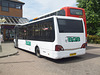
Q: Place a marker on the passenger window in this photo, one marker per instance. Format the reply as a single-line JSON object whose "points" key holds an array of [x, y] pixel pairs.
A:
{"points": [[61, 13]]}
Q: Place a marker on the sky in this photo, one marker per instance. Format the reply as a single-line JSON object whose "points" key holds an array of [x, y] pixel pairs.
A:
{"points": [[35, 8]]}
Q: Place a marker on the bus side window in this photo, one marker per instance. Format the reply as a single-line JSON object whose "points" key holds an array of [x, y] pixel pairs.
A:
{"points": [[52, 14], [20, 36], [42, 31], [47, 33], [61, 13], [37, 31], [25, 32]]}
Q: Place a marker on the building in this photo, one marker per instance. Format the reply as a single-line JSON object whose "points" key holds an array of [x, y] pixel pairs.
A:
{"points": [[11, 14]]}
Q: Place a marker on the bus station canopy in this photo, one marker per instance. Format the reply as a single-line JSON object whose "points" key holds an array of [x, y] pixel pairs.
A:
{"points": [[12, 20]]}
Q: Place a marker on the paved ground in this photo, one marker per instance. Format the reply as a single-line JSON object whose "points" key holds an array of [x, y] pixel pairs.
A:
{"points": [[7, 49], [25, 63]]}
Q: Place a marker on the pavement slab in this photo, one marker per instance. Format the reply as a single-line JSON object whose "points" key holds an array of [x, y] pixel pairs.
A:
{"points": [[26, 63], [7, 50]]}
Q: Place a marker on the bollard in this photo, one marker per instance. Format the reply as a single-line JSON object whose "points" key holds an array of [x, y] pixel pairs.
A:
{"points": [[0, 43], [0, 48]]}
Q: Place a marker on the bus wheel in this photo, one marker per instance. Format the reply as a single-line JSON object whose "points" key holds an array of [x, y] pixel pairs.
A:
{"points": [[37, 52]]}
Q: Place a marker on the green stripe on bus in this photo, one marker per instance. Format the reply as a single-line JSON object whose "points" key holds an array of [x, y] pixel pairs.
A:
{"points": [[28, 43], [73, 39]]}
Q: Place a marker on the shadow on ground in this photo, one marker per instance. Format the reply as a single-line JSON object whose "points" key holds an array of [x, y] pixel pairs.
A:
{"points": [[16, 62], [87, 56], [92, 47]]}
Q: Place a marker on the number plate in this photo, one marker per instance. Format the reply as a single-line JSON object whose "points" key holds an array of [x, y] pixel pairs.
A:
{"points": [[72, 54]]}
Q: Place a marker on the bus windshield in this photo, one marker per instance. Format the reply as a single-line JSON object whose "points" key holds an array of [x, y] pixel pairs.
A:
{"points": [[76, 12], [70, 26]]}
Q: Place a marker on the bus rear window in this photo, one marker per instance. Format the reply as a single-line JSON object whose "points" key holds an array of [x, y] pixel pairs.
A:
{"points": [[76, 12], [70, 26]]}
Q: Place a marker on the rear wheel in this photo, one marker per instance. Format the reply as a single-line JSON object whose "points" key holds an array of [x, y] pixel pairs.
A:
{"points": [[37, 52]]}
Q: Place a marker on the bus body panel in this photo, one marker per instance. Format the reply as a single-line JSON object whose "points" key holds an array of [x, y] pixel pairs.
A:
{"points": [[69, 47], [48, 48], [44, 47], [65, 54], [63, 40]]}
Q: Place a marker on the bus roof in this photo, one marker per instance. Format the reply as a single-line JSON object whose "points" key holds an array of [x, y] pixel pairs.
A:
{"points": [[73, 8], [65, 17], [55, 11]]}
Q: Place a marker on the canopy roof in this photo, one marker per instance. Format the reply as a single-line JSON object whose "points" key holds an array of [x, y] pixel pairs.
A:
{"points": [[14, 1], [12, 20], [17, 1]]}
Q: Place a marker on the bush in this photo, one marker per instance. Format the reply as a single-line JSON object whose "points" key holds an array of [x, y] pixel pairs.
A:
{"points": [[93, 39], [98, 31]]}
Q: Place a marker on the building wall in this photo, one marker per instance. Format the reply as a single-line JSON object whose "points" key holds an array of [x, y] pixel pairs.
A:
{"points": [[11, 8], [12, 12]]}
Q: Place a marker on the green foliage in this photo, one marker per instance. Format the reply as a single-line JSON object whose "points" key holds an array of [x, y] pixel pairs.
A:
{"points": [[92, 10], [98, 31], [93, 39]]}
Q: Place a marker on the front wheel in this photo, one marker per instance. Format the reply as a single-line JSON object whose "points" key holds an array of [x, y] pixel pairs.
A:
{"points": [[37, 52]]}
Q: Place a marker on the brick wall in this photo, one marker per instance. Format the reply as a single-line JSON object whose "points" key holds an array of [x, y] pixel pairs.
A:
{"points": [[12, 12]]}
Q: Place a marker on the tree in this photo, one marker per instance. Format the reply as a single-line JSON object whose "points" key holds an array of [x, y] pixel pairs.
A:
{"points": [[92, 11]]}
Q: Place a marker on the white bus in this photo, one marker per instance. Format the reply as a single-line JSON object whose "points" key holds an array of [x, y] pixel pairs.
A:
{"points": [[55, 37]]}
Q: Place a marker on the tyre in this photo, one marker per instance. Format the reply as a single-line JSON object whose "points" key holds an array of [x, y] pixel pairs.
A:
{"points": [[37, 52]]}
